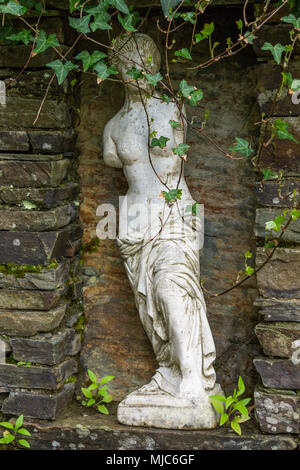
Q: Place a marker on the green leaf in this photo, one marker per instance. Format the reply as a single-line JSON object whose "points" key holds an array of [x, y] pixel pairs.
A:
{"points": [[248, 254], [24, 432], [107, 379], [295, 214], [107, 398], [89, 60], [217, 406], [249, 36], [220, 398], [13, 8], [153, 79], [205, 32], [24, 443], [167, 4], [102, 409], [175, 124], [224, 418], [241, 408], [185, 53], [292, 20], [276, 223], [19, 421], [241, 146], [86, 392], [267, 173], [73, 5], [101, 22], [236, 427], [229, 401], [43, 43], [281, 130], [172, 195], [165, 98], [7, 439], [181, 149], [91, 402], [195, 97], [241, 387], [7, 425], [276, 50], [120, 5], [81, 24], [135, 73], [295, 85], [186, 89], [62, 69], [249, 270], [24, 36], [104, 71], [126, 22], [92, 376], [161, 142]]}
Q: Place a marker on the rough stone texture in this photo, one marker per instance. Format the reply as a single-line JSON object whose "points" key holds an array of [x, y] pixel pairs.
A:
{"points": [[41, 198], [32, 173], [33, 84], [29, 323], [114, 340], [54, 114], [279, 309], [280, 276], [277, 412], [48, 378], [47, 279], [52, 142], [14, 141], [267, 193], [36, 247], [74, 431], [38, 404], [268, 80], [292, 234], [15, 57], [30, 299], [44, 350], [277, 338], [278, 373], [283, 154]]}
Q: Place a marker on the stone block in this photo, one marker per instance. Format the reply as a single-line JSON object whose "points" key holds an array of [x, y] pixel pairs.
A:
{"points": [[12, 299], [276, 411], [279, 310], [292, 234], [278, 373], [268, 193], [37, 221], [47, 349], [36, 248], [34, 83], [15, 57], [54, 114], [283, 154], [280, 276], [14, 141], [47, 279], [29, 323], [33, 173], [34, 377], [268, 80], [40, 198], [52, 142], [38, 404], [273, 35], [277, 338]]}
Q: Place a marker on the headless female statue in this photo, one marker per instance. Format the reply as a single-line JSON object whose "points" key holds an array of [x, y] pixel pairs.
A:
{"points": [[161, 259]]}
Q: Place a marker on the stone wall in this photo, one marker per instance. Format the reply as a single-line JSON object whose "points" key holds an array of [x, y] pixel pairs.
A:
{"points": [[40, 236]]}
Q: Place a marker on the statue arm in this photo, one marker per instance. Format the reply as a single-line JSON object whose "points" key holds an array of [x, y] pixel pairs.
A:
{"points": [[110, 150]]}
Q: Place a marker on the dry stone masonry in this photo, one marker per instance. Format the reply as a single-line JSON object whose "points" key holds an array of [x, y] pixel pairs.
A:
{"points": [[277, 397], [40, 234]]}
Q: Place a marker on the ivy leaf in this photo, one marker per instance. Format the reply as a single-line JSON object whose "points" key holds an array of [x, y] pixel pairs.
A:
{"points": [[104, 71], [24, 36], [205, 32], [172, 196], [181, 149], [292, 20], [43, 43], [73, 5], [120, 5], [281, 129], [89, 60], [276, 50], [167, 4], [175, 124], [249, 37], [102, 409], [81, 24], [126, 22], [186, 89], [165, 98], [268, 174], [161, 142], [295, 214], [195, 97], [135, 73], [236, 427], [185, 53], [13, 8], [61, 69], [241, 146], [276, 223], [101, 22], [153, 79]]}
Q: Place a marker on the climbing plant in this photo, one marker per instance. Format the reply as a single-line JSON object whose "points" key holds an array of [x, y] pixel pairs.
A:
{"points": [[86, 17]]}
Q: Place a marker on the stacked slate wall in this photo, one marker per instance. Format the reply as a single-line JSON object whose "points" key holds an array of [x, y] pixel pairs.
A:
{"points": [[40, 234]]}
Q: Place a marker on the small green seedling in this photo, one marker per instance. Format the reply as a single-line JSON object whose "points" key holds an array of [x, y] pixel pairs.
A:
{"points": [[233, 411], [12, 434], [97, 393]]}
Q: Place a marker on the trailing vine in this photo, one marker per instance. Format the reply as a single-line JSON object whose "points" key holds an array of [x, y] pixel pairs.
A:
{"points": [[86, 17]]}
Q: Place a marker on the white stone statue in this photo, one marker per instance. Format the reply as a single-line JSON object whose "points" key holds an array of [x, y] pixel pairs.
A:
{"points": [[162, 262]]}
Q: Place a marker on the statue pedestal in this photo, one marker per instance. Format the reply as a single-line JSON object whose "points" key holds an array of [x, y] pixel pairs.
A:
{"points": [[161, 410]]}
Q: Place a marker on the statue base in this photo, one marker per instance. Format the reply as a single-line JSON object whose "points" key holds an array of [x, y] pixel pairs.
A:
{"points": [[162, 410]]}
